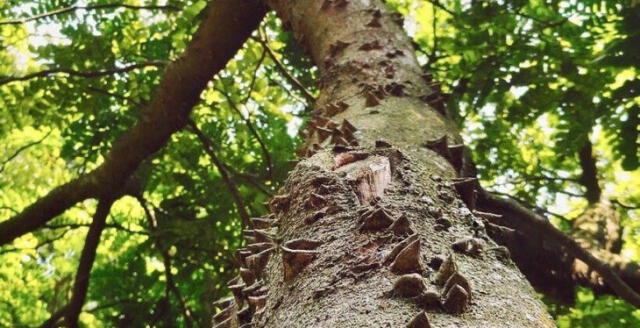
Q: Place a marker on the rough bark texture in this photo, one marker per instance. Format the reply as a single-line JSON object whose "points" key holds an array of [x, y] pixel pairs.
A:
{"points": [[375, 228]]}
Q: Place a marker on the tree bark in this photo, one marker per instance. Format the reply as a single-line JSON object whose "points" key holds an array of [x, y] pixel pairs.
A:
{"points": [[375, 228]]}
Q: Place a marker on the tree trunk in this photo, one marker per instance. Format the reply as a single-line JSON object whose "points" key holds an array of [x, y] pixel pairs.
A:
{"points": [[376, 228]]}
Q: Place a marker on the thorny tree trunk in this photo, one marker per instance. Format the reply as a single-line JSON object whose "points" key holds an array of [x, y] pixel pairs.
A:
{"points": [[375, 228]]}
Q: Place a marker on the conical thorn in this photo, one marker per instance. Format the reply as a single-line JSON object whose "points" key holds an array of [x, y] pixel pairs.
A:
{"points": [[402, 226], [419, 321], [409, 285], [446, 270], [294, 261], [456, 300], [408, 260], [377, 219]]}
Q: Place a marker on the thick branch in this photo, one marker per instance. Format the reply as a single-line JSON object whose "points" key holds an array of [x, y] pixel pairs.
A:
{"points": [[532, 222], [92, 7], [72, 310], [589, 177], [228, 24]]}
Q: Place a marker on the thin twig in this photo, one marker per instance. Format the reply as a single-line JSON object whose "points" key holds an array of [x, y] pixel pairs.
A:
{"points": [[8, 208], [115, 226], [291, 93], [254, 77], [626, 207], [233, 188], [437, 3], [92, 7], [252, 130], [21, 149], [541, 21], [135, 102], [40, 244], [283, 70], [87, 74], [250, 179], [171, 285]]}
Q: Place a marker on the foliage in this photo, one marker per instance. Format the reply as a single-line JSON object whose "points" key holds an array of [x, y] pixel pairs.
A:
{"points": [[532, 81]]}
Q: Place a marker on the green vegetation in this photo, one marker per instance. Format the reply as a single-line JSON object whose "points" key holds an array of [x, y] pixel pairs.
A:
{"points": [[532, 82]]}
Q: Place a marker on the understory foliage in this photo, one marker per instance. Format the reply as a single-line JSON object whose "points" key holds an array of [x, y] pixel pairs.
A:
{"points": [[532, 83]]}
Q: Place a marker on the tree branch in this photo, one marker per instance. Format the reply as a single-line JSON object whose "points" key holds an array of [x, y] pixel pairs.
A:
{"points": [[532, 207], [171, 285], [531, 221], [84, 225], [72, 310], [228, 24], [233, 188], [40, 244], [138, 103], [252, 130], [92, 7], [21, 149], [626, 207], [439, 5], [283, 70], [9, 208], [84, 74], [254, 77], [589, 176]]}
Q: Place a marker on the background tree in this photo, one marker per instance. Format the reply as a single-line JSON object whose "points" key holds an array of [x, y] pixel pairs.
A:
{"points": [[537, 87]]}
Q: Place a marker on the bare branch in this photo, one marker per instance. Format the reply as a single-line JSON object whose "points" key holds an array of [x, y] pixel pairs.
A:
{"points": [[589, 176], [92, 7], [136, 102], [72, 310], [233, 188], [626, 207], [534, 221], [254, 77], [84, 74], [535, 208], [265, 152], [283, 70], [21, 149], [228, 25], [171, 285], [440, 6], [115, 226]]}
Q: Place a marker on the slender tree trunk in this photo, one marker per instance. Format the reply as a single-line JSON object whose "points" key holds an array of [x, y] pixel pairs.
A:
{"points": [[375, 228]]}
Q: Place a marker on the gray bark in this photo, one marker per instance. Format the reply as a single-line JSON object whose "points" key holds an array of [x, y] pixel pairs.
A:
{"points": [[377, 227]]}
